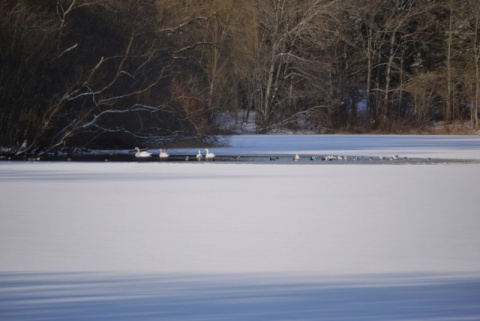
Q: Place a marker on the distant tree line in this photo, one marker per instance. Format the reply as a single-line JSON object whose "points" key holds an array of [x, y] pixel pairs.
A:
{"points": [[117, 73]]}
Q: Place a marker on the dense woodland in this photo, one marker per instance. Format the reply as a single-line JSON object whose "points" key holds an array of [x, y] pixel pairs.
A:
{"points": [[100, 73]]}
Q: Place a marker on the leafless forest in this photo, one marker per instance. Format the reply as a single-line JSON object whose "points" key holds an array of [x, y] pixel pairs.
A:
{"points": [[114, 73]]}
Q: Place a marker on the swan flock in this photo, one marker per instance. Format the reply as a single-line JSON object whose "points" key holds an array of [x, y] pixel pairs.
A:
{"points": [[163, 155]]}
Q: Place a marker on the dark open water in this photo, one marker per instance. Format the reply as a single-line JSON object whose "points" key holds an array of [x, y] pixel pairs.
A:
{"points": [[311, 159]]}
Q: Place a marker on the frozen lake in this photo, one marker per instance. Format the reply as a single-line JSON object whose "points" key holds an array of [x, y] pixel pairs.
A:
{"points": [[235, 241]]}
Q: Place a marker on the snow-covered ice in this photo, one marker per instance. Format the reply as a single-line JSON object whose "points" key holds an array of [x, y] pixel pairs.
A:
{"points": [[453, 147], [218, 218], [190, 219]]}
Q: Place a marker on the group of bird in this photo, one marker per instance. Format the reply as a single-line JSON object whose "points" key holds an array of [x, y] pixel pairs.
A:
{"points": [[211, 156], [164, 155], [296, 158]]}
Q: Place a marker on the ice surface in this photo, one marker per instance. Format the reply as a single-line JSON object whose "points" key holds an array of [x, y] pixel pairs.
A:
{"points": [[248, 219], [467, 147], [224, 218]]}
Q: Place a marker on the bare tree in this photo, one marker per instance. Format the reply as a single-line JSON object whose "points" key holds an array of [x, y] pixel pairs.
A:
{"points": [[77, 72], [84, 86], [103, 70], [392, 37], [285, 27], [472, 44]]}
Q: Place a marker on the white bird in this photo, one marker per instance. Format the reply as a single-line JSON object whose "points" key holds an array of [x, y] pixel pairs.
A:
{"points": [[296, 158], [199, 155], [209, 155], [142, 154], [163, 155]]}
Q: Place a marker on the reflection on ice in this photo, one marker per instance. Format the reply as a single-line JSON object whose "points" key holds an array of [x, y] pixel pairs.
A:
{"points": [[25, 296]]}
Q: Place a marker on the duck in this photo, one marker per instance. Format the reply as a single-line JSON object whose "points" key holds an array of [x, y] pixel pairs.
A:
{"points": [[199, 155], [209, 155], [142, 154], [163, 155]]}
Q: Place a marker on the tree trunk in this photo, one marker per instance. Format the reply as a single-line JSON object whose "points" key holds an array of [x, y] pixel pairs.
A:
{"points": [[448, 101], [476, 56], [386, 97]]}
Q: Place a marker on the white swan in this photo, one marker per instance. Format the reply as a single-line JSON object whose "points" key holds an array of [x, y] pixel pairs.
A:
{"points": [[199, 155], [142, 154], [209, 155], [296, 158], [163, 155]]}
